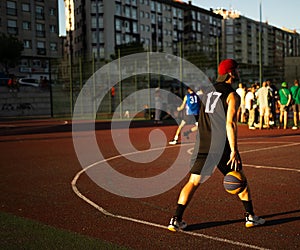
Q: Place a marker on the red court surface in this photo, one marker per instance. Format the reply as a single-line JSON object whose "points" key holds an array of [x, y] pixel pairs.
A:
{"points": [[42, 179]]}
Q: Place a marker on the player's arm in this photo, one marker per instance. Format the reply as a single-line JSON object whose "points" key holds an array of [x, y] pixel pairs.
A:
{"points": [[233, 101], [181, 107]]}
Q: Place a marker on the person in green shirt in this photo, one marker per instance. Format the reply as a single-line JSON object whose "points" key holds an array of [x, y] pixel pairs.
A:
{"points": [[295, 92], [284, 102]]}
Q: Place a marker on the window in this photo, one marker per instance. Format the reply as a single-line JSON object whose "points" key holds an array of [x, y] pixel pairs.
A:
{"points": [[152, 6], [52, 12], [39, 12], [52, 28], [158, 6], [134, 27], [134, 13], [118, 25], [40, 30], [41, 48], [118, 39], [153, 18], [12, 27], [127, 39], [174, 12], [97, 22], [97, 8], [11, 8], [26, 7], [127, 11], [127, 26], [26, 25], [118, 9], [27, 44], [53, 46]]}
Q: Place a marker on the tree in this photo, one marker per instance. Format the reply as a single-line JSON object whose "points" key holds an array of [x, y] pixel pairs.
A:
{"points": [[10, 51]]}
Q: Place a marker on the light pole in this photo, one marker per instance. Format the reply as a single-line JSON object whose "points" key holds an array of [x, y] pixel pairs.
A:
{"points": [[260, 45]]}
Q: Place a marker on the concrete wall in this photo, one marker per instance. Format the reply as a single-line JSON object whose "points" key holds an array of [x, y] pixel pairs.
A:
{"points": [[28, 101]]}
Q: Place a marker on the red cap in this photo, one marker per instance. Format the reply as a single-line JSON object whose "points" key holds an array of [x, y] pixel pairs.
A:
{"points": [[226, 66]]}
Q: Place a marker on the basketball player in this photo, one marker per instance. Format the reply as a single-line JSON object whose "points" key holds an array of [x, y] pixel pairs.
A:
{"points": [[217, 120], [191, 103]]}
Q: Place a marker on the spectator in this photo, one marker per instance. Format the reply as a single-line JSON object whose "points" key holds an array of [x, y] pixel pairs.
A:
{"points": [[158, 106], [273, 104], [296, 103], [284, 102], [241, 91], [250, 104], [262, 96]]}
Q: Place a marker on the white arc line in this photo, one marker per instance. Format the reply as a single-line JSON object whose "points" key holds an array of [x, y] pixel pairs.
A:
{"points": [[105, 212]]}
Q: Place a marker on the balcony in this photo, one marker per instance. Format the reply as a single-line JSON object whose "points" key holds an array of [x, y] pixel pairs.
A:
{"points": [[41, 51], [12, 30], [40, 33], [11, 11], [40, 15]]}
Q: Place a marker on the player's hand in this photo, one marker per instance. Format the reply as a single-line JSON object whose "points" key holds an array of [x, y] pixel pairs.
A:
{"points": [[234, 161]]}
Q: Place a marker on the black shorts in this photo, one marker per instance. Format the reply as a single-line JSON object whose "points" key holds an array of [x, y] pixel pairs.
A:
{"points": [[204, 163], [191, 119]]}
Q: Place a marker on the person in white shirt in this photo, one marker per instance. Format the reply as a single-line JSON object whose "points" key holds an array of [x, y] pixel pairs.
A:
{"points": [[241, 91], [250, 104], [262, 96]]}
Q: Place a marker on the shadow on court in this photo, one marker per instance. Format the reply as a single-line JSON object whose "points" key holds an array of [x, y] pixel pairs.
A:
{"points": [[194, 227]]}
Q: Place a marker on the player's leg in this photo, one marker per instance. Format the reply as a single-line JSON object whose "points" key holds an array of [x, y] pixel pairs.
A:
{"points": [[186, 194], [175, 139], [245, 196]]}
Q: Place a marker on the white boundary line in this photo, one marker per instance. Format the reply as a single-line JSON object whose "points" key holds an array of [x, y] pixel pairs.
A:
{"points": [[105, 212]]}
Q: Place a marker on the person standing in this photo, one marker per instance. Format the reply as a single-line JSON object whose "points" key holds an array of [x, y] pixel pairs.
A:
{"points": [[262, 96], [158, 106], [212, 123], [295, 92], [191, 103], [241, 90], [284, 102], [250, 104]]}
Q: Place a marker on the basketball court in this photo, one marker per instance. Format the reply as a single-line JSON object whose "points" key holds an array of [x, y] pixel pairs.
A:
{"points": [[55, 189]]}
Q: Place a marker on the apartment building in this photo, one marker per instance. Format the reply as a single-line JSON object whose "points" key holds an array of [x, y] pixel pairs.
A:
{"points": [[253, 43], [161, 25], [201, 36], [35, 23]]}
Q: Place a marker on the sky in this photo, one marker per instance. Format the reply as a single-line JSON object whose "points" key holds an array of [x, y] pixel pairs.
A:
{"points": [[62, 20], [278, 13]]}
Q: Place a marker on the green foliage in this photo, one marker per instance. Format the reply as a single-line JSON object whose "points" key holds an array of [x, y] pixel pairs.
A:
{"points": [[10, 50], [21, 233]]}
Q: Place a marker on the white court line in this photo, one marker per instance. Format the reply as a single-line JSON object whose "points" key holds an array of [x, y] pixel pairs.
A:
{"points": [[105, 212], [268, 148], [272, 168]]}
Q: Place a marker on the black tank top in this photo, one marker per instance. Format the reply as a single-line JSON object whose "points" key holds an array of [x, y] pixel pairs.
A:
{"points": [[212, 118]]}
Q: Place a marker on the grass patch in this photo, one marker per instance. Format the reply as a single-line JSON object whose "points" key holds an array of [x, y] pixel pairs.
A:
{"points": [[20, 233]]}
